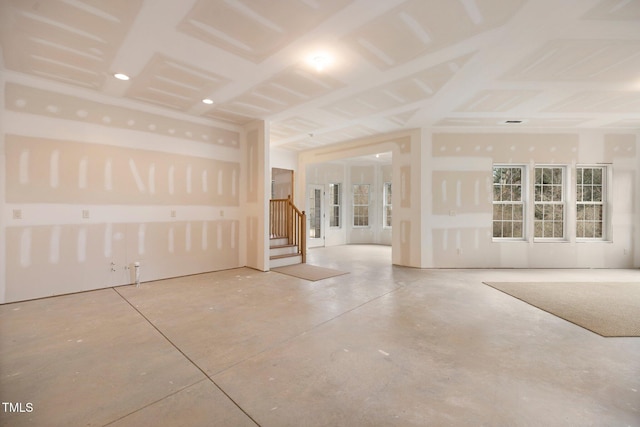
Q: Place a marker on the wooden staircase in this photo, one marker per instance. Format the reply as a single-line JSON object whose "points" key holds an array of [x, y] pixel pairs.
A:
{"points": [[287, 232]]}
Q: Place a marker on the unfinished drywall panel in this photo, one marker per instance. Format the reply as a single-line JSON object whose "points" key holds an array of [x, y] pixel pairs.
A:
{"points": [[508, 147], [281, 183], [21, 98], [257, 189], [618, 146], [43, 170], [460, 214], [283, 159], [406, 160], [460, 192], [93, 187], [59, 259]]}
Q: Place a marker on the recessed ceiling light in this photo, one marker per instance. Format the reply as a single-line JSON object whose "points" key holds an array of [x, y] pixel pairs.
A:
{"points": [[207, 101], [121, 76]]}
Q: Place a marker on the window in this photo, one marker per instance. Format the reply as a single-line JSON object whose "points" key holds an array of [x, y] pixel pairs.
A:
{"points": [[590, 202], [549, 215], [386, 208], [334, 207], [508, 203], [361, 205]]}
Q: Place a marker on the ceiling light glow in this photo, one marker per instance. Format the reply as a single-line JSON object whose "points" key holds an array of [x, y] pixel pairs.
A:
{"points": [[319, 61], [121, 76], [207, 101]]}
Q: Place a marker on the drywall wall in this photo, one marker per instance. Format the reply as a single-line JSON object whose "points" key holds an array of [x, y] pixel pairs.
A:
{"points": [[257, 184], [91, 187], [442, 199], [459, 221], [281, 183], [406, 174]]}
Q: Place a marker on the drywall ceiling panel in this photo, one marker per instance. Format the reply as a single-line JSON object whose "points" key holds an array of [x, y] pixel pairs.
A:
{"points": [[291, 127], [598, 102], [581, 60], [291, 87], [418, 27], [615, 10], [255, 29], [497, 100], [401, 119], [172, 83], [407, 90], [526, 123], [345, 134], [68, 41]]}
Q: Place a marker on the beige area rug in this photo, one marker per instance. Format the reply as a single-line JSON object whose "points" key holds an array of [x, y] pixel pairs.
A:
{"points": [[309, 272], [610, 309]]}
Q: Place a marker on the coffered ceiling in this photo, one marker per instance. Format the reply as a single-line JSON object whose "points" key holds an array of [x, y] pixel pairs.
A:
{"points": [[388, 64]]}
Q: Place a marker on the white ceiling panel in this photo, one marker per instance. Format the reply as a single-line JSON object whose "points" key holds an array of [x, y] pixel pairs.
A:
{"points": [[617, 10], [407, 90], [72, 42], [417, 27], [497, 100], [255, 29], [175, 84], [513, 123], [291, 87], [391, 64], [293, 126], [581, 60], [598, 102]]}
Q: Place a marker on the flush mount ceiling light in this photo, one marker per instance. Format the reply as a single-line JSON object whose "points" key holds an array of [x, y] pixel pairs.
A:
{"points": [[319, 61], [207, 101], [121, 76]]}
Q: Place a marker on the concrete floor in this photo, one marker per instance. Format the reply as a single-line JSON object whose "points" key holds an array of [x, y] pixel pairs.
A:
{"points": [[381, 346]]}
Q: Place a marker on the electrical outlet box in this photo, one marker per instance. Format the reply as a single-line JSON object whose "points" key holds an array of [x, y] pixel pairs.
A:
{"points": [[85, 214], [17, 214]]}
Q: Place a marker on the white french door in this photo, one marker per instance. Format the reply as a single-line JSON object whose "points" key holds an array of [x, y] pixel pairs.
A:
{"points": [[315, 215]]}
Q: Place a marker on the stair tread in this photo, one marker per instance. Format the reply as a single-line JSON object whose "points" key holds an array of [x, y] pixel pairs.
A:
{"points": [[282, 246], [284, 256]]}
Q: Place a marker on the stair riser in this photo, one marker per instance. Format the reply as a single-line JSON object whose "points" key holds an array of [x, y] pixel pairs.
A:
{"points": [[283, 251], [281, 262], [279, 241]]}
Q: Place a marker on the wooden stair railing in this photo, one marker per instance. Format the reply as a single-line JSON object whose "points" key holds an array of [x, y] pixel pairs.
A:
{"points": [[287, 221]]}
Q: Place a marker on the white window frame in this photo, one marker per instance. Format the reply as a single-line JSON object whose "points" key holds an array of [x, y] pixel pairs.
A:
{"points": [[367, 205], [547, 204], [604, 202], [522, 202]]}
